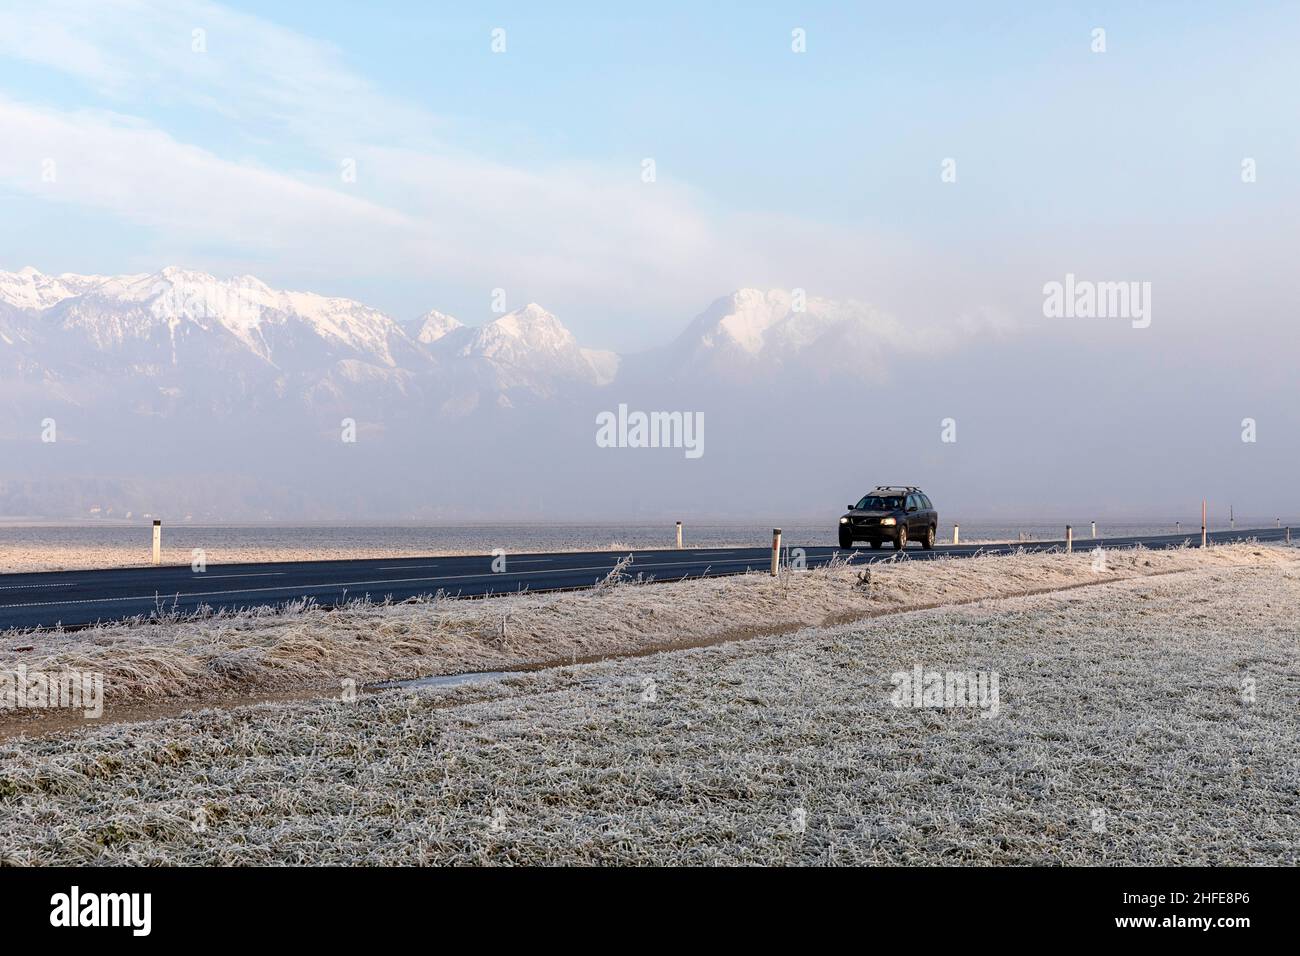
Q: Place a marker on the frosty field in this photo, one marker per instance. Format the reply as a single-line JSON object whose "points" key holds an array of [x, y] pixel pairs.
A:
{"points": [[1147, 715], [301, 648]]}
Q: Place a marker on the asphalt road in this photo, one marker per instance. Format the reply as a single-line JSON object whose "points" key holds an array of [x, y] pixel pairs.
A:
{"points": [[80, 598]]}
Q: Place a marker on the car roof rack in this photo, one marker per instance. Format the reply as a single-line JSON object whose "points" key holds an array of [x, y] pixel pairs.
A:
{"points": [[903, 488]]}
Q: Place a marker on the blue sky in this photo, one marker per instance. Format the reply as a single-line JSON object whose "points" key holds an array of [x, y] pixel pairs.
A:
{"points": [[521, 170]]}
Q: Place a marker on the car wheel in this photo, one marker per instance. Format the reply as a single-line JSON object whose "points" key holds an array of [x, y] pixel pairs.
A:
{"points": [[900, 542], [928, 541], [846, 540]]}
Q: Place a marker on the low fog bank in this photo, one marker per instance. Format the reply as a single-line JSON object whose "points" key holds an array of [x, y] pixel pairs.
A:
{"points": [[1115, 437]]}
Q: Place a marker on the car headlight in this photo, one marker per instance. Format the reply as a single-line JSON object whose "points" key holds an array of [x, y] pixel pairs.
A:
{"points": [[888, 521], [844, 521]]}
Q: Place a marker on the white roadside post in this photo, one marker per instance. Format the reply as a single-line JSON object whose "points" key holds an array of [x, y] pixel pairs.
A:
{"points": [[956, 534], [1178, 527], [157, 542], [1202, 522], [776, 549], [679, 534], [1069, 539], [1232, 519], [1094, 529]]}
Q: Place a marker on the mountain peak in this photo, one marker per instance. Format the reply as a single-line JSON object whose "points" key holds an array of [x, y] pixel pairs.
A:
{"points": [[751, 330], [433, 325], [29, 288], [534, 311], [530, 316], [530, 347], [743, 318], [177, 274], [532, 326]]}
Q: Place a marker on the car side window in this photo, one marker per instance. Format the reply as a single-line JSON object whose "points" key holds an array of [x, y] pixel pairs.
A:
{"points": [[911, 502], [925, 503]]}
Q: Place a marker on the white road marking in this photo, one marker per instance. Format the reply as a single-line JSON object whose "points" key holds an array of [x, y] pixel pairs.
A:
{"points": [[264, 574]]}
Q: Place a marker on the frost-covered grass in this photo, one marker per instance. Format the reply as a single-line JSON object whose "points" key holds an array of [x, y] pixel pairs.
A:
{"points": [[1125, 736], [299, 646]]}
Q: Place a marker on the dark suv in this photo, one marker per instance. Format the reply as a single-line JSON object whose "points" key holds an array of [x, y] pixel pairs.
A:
{"points": [[894, 513]]}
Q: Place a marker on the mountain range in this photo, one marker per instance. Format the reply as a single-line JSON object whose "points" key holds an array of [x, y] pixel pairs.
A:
{"points": [[180, 392], [179, 341]]}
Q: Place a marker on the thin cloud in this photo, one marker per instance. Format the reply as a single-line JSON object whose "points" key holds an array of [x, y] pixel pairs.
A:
{"points": [[587, 237]]}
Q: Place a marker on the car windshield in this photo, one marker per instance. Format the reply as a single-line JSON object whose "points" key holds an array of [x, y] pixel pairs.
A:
{"points": [[880, 503]]}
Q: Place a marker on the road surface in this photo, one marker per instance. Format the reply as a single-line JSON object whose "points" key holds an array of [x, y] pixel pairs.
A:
{"points": [[80, 598]]}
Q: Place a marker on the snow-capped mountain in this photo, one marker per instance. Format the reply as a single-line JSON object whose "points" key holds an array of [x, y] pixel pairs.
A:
{"points": [[178, 392], [432, 326], [527, 348], [30, 289], [179, 338], [751, 333], [527, 352], [119, 313], [749, 337], [179, 342]]}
